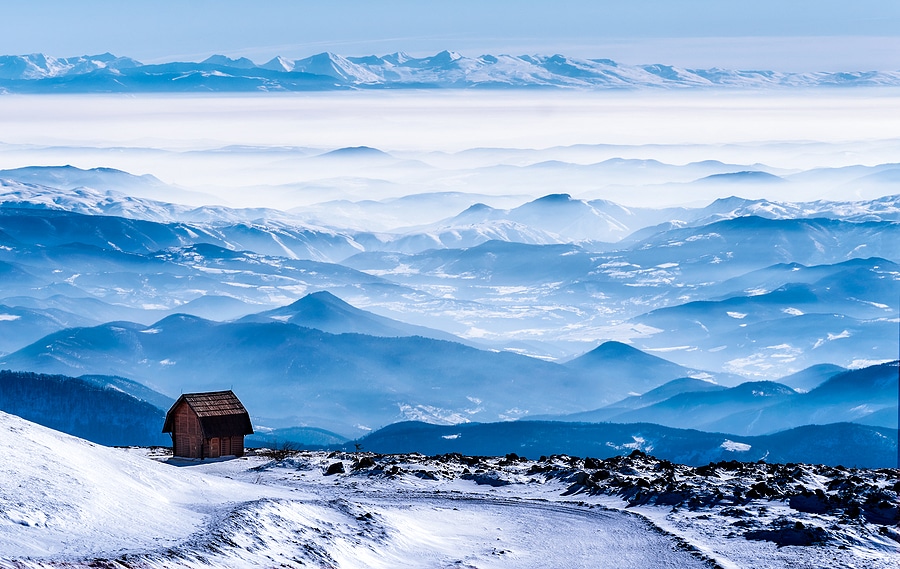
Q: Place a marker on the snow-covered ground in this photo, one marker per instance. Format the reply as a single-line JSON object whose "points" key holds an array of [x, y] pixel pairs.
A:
{"points": [[68, 503]]}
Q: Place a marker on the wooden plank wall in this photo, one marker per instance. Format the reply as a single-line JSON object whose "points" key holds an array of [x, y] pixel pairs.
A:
{"points": [[188, 440]]}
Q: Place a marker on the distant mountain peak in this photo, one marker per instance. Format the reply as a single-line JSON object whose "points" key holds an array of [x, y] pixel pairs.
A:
{"points": [[322, 297], [279, 64], [477, 207], [240, 63], [356, 151], [554, 198], [753, 176], [446, 56], [613, 350], [181, 319]]}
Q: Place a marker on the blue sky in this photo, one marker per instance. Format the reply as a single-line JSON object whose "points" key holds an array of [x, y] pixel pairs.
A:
{"points": [[779, 34]]}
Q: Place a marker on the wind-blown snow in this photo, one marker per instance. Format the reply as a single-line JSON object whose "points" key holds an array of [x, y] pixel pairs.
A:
{"points": [[63, 495]]}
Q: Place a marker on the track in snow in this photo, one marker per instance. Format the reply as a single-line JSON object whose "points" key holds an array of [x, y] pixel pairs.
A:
{"points": [[420, 530]]}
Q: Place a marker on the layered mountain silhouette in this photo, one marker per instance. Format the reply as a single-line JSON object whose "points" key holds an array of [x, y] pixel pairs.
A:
{"points": [[339, 366], [866, 396], [661, 393], [334, 381], [90, 269], [836, 444], [368, 370], [638, 369]]}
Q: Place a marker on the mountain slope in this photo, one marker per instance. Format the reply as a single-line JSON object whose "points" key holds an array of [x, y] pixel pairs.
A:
{"points": [[811, 377], [340, 382], [841, 443], [659, 394], [66, 501], [20, 326], [630, 367], [868, 396], [86, 408], [700, 410], [324, 311]]}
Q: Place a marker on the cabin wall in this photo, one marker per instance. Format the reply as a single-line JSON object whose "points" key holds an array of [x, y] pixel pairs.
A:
{"points": [[237, 445], [216, 447], [187, 437]]}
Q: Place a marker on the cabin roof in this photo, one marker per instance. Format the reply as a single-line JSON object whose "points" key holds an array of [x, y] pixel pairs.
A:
{"points": [[221, 414]]}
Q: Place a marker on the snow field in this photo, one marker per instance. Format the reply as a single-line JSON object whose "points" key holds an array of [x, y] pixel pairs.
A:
{"points": [[60, 495], [68, 503]]}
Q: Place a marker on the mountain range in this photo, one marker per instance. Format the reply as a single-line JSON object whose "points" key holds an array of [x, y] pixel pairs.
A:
{"points": [[368, 371], [38, 73], [835, 444], [348, 329], [711, 287], [867, 395], [764, 420], [344, 382]]}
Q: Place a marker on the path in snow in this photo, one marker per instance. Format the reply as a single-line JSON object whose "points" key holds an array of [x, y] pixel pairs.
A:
{"points": [[424, 531]]}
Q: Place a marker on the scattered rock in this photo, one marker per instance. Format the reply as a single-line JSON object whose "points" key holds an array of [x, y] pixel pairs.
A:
{"points": [[487, 478], [790, 534], [364, 462]]}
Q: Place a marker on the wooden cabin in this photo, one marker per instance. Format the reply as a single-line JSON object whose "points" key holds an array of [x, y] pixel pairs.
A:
{"points": [[208, 425]]}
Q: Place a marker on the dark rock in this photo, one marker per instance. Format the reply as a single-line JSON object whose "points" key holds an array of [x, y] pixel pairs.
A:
{"points": [[489, 479], [601, 474], [883, 513], [364, 462], [810, 503], [581, 477], [592, 463], [335, 468], [672, 498], [790, 534]]}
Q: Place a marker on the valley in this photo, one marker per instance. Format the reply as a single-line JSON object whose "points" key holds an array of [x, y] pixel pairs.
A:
{"points": [[337, 318]]}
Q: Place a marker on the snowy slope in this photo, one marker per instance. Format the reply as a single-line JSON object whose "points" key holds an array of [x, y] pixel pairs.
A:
{"points": [[68, 503], [39, 66], [63, 495]]}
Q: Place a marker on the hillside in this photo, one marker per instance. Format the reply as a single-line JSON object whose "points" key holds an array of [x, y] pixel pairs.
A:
{"points": [[334, 381], [840, 443], [80, 407]]}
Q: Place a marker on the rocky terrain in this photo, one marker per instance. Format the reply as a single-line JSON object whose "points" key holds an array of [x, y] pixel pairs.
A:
{"points": [[722, 510]]}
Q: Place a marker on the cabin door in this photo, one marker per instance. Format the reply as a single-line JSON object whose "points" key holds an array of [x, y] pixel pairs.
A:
{"points": [[214, 451], [193, 447]]}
